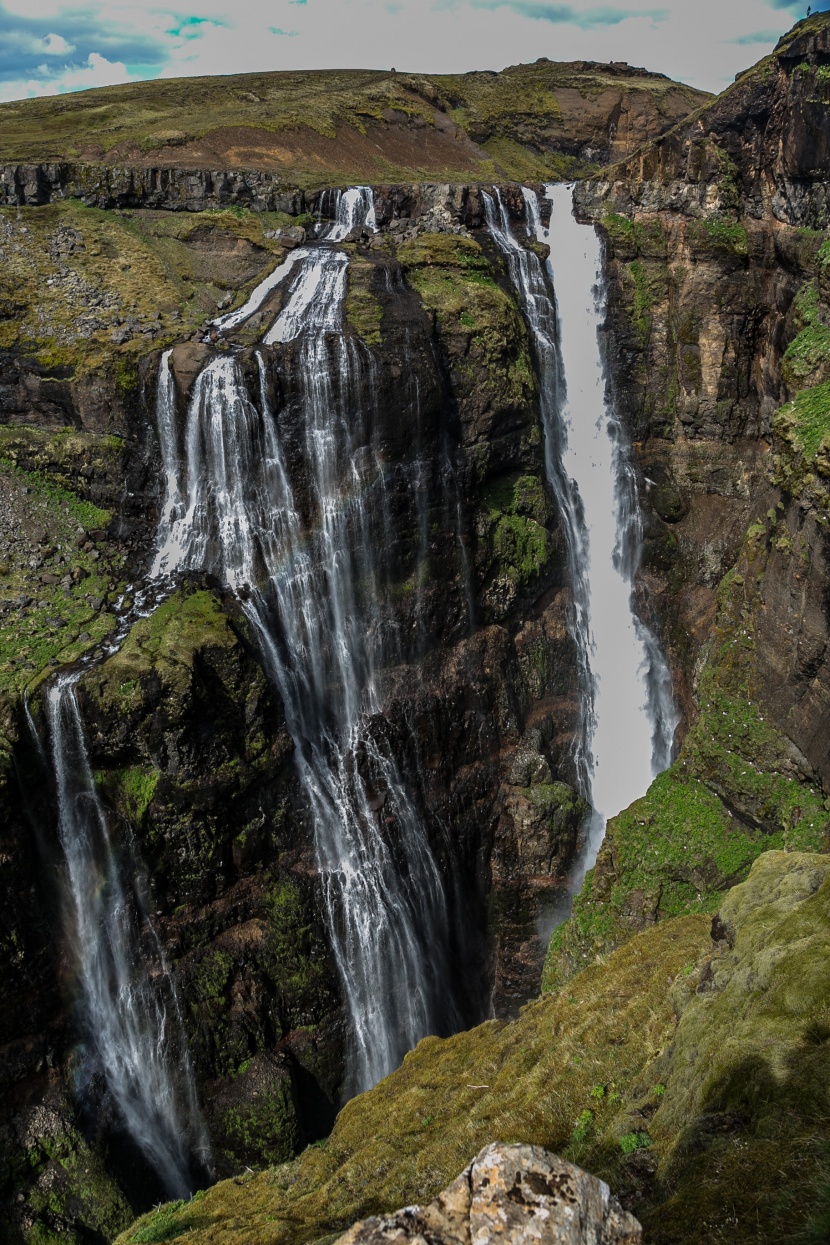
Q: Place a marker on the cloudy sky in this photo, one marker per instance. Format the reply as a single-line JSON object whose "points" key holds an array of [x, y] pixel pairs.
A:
{"points": [[50, 46]]}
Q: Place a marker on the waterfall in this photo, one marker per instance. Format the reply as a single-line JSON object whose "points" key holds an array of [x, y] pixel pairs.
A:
{"points": [[122, 975], [629, 717], [312, 592]]}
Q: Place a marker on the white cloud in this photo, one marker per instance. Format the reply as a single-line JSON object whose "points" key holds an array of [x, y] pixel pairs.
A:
{"points": [[96, 71], [56, 45], [704, 42]]}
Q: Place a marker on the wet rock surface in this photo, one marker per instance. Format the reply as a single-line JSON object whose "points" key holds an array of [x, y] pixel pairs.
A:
{"points": [[515, 1194]]}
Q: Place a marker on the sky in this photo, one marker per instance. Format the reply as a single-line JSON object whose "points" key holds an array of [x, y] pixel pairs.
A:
{"points": [[50, 47]]}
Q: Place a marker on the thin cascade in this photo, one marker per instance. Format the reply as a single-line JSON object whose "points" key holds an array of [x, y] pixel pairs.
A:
{"points": [[528, 278], [128, 1003], [312, 594], [629, 716]]}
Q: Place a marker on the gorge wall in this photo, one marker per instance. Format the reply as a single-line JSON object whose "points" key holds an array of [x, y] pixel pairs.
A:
{"points": [[187, 741]]}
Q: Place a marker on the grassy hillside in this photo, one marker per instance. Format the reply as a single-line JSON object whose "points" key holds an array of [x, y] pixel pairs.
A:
{"points": [[529, 121], [689, 1073]]}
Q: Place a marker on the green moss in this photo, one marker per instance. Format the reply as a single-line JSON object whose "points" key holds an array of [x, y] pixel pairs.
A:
{"points": [[165, 1224], [631, 238], [59, 452], [802, 444], [267, 1128], [62, 1187], [643, 299], [718, 236], [809, 352], [516, 543], [364, 313], [130, 789]]}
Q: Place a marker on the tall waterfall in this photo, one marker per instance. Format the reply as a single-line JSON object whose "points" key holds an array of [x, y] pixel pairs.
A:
{"points": [[311, 591], [134, 1032], [628, 714]]}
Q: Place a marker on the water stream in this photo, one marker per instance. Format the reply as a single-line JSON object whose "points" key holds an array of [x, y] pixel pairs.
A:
{"points": [[628, 716], [312, 590], [129, 1013]]}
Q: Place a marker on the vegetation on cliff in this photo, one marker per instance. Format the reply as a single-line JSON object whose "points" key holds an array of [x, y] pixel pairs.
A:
{"points": [[737, 789]]}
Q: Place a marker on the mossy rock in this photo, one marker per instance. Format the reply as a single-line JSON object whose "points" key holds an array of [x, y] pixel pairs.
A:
{"points": [[525, 1081], [515, 547], [477, 321]]}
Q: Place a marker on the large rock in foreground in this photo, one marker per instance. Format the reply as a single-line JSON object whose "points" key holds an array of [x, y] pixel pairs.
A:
{"points": [[511, 1194]]}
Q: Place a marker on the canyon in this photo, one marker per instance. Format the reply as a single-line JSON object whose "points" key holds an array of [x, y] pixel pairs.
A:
{"points": [[333, 714]]}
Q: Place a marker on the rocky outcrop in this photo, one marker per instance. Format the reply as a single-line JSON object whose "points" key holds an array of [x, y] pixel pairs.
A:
{"points": [[515, 1194], [760, 149]]}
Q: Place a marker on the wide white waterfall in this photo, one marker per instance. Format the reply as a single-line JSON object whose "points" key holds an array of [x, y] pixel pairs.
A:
{"points": [[311, 588], [628, 712], [128, 1006]]}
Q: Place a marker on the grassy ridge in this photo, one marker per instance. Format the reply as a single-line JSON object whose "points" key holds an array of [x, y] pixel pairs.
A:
{"points": [[515, 121]]}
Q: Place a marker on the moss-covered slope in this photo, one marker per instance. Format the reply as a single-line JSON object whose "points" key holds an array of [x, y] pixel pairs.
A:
{"points": [[689, 1070]]}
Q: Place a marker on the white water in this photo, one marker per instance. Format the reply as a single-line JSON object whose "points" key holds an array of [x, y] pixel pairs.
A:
{"points": [[629, 717], [134, 1034], [312, 593], [354, 207]]}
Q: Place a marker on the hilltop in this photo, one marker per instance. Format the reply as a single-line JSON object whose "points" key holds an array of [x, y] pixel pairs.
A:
{"points": [[545, 120]]}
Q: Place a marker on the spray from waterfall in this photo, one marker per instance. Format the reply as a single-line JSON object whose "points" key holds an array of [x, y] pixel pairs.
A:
{"points": [[628, 716], [311, 589], [128, 1005]]}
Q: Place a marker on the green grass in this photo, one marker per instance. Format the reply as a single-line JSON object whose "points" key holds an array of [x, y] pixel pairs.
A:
{"points": [[719, 236], [715, 1059], [802, 444], [60, 621]]}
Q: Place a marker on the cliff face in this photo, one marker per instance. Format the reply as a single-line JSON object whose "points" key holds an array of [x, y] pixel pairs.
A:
{"points": [[186, 738], [717, 348]]}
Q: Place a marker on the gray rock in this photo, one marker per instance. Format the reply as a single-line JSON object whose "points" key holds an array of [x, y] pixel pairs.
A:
{"points": [[516, 1195]]}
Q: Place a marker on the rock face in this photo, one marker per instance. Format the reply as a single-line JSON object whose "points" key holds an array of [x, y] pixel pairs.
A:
{"points": [[514, 1194], [760, 148]]}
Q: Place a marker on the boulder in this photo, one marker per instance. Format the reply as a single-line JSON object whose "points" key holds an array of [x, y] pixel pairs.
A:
{"points": [[515, 1194]]}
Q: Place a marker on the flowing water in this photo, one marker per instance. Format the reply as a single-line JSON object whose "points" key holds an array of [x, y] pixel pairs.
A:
{"points": [[312, 588], [129, 1013], [628, 715]]}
